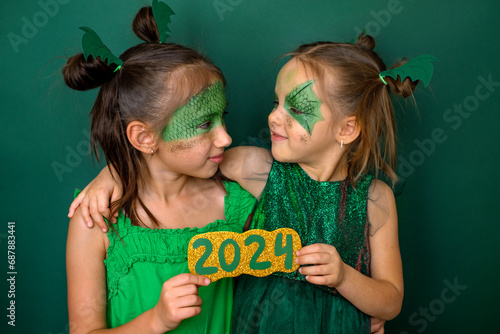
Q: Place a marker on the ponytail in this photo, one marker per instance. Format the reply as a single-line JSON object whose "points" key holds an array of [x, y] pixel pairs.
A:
{"points": [[360, 91]]}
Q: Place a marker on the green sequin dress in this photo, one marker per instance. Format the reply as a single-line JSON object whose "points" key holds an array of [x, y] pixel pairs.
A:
{"points": [[321, 212], [143, 259]]}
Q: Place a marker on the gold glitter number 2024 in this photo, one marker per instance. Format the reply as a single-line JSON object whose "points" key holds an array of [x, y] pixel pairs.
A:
{"points": [[255, 252]]}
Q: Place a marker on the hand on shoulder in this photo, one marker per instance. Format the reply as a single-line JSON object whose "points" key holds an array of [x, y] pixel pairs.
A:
{"points": [[79, 235]]}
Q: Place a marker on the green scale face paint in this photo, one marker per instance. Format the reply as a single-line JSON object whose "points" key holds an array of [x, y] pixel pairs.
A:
{"points": [[303, 105], [201, 114]]}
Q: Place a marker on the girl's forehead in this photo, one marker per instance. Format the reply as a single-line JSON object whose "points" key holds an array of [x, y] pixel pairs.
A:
{"points": [[293, 74]]}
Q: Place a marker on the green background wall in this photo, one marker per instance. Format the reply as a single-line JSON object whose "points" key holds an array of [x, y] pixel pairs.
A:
{"points": [[449, 149]]}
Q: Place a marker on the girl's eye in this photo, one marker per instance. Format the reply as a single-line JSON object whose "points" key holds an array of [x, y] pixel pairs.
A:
{"points": [[296, 111], [205, 125], [275, 104]]}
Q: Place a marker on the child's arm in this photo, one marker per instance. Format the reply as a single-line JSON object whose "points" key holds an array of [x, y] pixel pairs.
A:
{"points": [[95, 199], [249, 166], [381, 295], [86, 274]]}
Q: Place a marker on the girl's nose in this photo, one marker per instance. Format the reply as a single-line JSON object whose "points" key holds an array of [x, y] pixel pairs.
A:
{"points": [[275, 117], [222, 138]]}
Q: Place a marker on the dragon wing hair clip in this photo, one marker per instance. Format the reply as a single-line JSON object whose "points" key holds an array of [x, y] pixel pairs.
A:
{"points": [[92, 44], [419, 68]]}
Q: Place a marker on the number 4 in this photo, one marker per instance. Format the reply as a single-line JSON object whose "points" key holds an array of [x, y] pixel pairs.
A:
{"points": [[287, 249]]}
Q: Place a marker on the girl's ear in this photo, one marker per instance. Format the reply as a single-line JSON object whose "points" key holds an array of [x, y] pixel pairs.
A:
{"points": [[141, 137], [349, 131]]}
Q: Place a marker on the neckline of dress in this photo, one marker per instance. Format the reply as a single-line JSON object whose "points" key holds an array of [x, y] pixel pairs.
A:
{"points": [[187, 229], [302, 171]]}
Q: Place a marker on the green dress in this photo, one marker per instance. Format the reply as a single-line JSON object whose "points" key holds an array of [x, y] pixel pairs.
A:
{"points": [[139, 260], [321, 212]]}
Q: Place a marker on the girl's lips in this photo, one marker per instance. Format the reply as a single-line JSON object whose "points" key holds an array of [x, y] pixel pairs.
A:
{"points": [[217, 159], [276, 137]]}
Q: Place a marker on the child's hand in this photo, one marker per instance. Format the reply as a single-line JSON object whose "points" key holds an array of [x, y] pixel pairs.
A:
{"points": [[95, 198], [179, 300], [327, 268]]}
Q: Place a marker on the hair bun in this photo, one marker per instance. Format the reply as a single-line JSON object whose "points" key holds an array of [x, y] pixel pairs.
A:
{"points": [[145, 27], [83, 75], [365, 42]]}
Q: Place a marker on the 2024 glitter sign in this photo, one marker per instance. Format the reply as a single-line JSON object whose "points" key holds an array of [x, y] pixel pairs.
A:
{"points": [[255, 252]]}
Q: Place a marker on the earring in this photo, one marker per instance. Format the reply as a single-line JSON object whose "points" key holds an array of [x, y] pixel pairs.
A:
{"points": [[152, 151], [341, 143]]}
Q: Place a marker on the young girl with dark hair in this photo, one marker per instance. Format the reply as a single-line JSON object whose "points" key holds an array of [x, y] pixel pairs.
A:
{"points": [[159, 121], [333, 131]]}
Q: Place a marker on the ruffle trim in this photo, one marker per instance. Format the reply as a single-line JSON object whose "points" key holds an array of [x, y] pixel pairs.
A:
{"points": [[115, 273], [238, 202], [130, 244]]}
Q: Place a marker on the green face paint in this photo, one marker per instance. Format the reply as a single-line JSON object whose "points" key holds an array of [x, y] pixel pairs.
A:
{"points": [[303, 105], [201, 114]]}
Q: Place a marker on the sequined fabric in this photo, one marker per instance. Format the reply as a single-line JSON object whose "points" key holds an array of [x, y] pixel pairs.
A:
{"points": [[292, 199], [320, 212]]}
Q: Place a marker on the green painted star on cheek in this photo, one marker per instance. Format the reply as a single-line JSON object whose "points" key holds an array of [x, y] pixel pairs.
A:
{"points": [[202, 113], [303, 105]]}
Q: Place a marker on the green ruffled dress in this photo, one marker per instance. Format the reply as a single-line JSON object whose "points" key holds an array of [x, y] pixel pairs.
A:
{"points": [[321, 212], [139, 260]]}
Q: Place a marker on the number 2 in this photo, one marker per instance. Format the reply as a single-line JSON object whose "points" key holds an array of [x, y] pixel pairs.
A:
{"points": [[200, 269], [254, 265]]}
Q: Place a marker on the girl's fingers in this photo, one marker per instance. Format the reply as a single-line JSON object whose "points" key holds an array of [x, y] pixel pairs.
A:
{"points": [[101, 223], [184, 279], [96, 215], [314, 248], [103, 206], [185, 290], [75, 204], [188, 312], [116, 194], [319, 270], [318, 280], [189, 301], [314, 258], [84, 211]]}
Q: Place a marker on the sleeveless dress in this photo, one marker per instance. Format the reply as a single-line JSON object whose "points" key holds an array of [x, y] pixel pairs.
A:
{"points": [[139, 260], [321, 212]]}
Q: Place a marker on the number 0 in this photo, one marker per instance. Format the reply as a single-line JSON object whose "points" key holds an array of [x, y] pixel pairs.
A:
{"points": [[222, 258]]}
